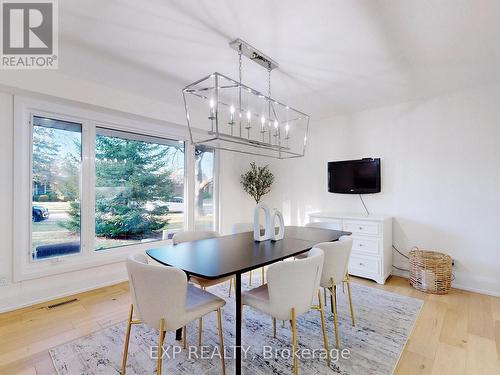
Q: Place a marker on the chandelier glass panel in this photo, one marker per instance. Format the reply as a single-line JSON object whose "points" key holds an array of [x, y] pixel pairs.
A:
{"points": [[224, 113]]}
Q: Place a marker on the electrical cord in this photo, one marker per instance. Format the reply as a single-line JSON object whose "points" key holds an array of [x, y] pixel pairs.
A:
{"points": [[400, 253], [401, 269], [403, 255], [364, 205]]}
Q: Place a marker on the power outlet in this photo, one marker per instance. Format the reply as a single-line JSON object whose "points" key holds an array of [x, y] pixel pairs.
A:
{"points": [[4, 281]]}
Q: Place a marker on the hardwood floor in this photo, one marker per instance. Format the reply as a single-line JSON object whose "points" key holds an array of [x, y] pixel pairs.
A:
{"points": [[455, 334]]}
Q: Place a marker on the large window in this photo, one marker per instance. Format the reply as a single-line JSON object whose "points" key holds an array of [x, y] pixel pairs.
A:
{"points": [[55, 207], [139, 194], [92, 187]]}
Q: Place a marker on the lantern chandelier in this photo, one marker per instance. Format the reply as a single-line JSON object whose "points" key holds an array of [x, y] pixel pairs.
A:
{"points": [[224, 113]]}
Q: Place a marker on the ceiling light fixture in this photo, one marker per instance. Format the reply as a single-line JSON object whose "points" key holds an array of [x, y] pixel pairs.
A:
{"points": [[212, 102]]}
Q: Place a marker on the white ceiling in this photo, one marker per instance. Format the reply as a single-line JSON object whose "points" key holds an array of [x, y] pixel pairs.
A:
{"points": [[335, 56]]}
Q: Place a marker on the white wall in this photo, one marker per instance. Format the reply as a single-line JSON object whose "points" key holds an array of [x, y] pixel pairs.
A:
{"points": [[440, 177], [235, 206]]}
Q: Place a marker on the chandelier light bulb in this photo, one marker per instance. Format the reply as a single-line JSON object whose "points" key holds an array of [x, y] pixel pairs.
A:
{"points": [[212, 109], [231, 111], [287, 129], [276, 124], [248, 125]]}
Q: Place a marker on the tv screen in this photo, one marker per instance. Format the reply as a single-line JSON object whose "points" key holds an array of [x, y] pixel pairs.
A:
{"points": [[354, 176]]}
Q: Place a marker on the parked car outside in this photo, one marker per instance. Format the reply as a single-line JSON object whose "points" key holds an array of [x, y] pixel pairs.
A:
{"points": [[39, 213]]}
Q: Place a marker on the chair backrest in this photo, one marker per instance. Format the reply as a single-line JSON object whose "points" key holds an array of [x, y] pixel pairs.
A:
{"points": [[323, 225], [336, 260], [294, 284], [242, 228], [157, 291], [192, 235]]}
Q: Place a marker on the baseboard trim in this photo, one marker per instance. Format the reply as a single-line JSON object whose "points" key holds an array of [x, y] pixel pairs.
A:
{"points": [[493, 293], [62, 295], [461, 286]]}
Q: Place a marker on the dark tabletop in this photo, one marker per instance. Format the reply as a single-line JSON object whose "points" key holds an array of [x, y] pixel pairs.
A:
{"points": [[226, 255]]}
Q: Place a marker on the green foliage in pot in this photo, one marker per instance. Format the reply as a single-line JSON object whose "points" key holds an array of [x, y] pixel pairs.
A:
{"points": [[257, 181]]}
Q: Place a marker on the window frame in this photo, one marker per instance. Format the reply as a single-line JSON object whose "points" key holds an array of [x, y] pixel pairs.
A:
{"points": [[24, 268]]}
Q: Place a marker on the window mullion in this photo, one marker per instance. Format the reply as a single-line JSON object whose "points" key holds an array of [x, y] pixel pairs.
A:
{"points": [[216, 195], [88, 189], [190, 185]]}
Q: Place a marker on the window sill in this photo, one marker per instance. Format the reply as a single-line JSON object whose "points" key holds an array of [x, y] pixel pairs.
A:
{"points": [[81, 261]]}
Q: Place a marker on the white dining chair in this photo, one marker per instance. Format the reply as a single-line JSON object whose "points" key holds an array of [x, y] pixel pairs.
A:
{"points": [[188, 236], [242, 228], [289, 293], [335, 272], [163, 299]]}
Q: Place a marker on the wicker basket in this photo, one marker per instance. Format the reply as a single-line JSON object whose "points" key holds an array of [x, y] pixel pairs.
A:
{"points": [[430, 271]]}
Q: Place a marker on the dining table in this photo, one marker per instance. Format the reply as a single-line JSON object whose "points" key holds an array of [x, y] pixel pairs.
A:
{"points": [[236, 254]]}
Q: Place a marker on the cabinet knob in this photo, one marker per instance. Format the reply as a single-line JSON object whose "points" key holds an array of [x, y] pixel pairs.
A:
{"points": [[361, 264], [360, 228]]}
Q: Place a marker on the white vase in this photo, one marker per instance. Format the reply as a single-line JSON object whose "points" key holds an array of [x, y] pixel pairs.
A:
{"points": [[268, 229], [281, 226]]}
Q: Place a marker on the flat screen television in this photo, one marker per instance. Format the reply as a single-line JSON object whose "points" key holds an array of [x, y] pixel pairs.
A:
{"points": [[354, 176]]}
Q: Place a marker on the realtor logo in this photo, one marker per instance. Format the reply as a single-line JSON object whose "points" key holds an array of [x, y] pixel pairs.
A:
{"points": [[29, 34]]}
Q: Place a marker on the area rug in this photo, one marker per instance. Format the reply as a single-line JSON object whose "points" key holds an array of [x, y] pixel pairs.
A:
{"points": [[383, 324]]}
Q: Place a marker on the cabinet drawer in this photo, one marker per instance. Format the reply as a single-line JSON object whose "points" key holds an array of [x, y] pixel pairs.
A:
{"points": [[364, 265], [367, 245], [362, 227]]}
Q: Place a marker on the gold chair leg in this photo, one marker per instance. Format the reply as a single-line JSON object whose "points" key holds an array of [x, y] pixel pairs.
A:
{"points": [[274, 327], [127, 339], [263, 276], [184, 337], [335, 322], [350, 300], [294, 342], [160, 344], [250, 279], [230, 286], [221, 340], [323, 328], [326, 299], [282, 324], [200, 326]]}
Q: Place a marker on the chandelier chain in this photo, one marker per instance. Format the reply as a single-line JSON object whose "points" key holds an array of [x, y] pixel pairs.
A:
{"points": [[240, 63], [269, 82]]}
